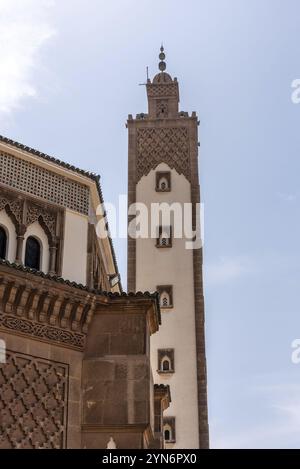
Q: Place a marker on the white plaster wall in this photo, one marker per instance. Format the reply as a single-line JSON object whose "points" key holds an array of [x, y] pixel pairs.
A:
{"points": [[8, 225], [172, 266], [37, 231], [75, 247]]}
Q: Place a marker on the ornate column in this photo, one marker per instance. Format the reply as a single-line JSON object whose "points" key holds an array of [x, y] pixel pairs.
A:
{"points": [[21, 230], [52, 262]]}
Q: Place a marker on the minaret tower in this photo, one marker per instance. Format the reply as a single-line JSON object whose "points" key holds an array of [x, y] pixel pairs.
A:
{"points": [[163, 168]]}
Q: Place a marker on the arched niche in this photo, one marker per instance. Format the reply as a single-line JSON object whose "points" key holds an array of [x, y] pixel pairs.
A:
{"points": [[8, 225], [36, 231]]}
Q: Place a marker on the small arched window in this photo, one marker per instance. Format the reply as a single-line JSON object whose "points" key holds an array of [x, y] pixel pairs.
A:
{"points": [[163, 184], [166, 364], [169, 430], [163, 181], [165, 361], [165, 296], [33, 253], [3, 243]]}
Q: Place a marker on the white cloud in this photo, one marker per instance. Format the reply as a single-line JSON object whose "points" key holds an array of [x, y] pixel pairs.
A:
{"points": [[24, 28], [228, 268]]}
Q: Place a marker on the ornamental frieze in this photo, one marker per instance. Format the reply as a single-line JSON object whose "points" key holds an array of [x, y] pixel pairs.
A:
{"points": [[42, 331]]}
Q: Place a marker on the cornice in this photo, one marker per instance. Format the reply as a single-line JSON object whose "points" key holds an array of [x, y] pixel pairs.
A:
{"points": [[52, 309]]}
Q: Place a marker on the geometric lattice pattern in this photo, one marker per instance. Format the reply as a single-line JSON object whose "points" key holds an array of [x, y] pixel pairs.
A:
{"points": [[156, 90], [33, 402], [157, 145], [27, 177]]}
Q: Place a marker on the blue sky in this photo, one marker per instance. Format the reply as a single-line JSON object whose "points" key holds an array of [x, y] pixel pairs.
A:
{"points": [[70, 71]]}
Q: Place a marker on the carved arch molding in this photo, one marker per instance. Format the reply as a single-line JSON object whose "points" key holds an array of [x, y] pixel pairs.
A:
{"points": [[25, 211], [46, 218], [33, 212]]}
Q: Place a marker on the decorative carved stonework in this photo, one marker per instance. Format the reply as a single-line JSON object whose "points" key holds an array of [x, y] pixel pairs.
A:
{"points": [[157, 145], [33, 402], [27, 177], [27, 211], [158, 90], [3, 203], [42, 331], [14, 208], [34, 212], [37, 309]]}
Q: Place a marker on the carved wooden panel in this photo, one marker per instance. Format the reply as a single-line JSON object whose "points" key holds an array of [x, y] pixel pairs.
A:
{"points": [[33, 402], [157, 145]]}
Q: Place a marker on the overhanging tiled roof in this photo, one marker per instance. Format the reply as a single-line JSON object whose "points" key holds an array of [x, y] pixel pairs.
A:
{"points": [[95, 177], [63, 309], [46, 157], [60, 280]]}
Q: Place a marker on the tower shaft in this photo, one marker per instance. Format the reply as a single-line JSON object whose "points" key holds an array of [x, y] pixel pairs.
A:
{"points": [[163, 168]]}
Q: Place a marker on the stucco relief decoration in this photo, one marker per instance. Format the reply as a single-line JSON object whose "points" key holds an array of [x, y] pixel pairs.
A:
{"points": [[157, 145], [33, 402], [34, 212], [15, 207], [42, 331]]}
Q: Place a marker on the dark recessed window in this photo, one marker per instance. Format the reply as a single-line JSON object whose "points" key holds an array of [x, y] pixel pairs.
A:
{"points": [[166, 361], [166, 364], [3, 243], [162, 108], [32, 253], [169, 430], [163, 181]]}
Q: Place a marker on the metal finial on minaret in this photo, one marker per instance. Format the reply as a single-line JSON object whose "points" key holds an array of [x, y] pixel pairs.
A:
{"points": [[162, 64]]}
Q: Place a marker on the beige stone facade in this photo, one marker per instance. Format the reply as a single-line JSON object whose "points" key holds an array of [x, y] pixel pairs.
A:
{"points": [[86, 364], [77, 368]]}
